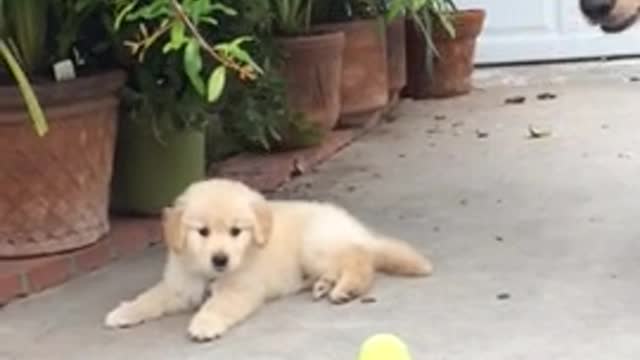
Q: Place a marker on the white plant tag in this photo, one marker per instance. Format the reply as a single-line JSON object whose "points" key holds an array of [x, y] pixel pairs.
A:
{"points": [[64, 70]]}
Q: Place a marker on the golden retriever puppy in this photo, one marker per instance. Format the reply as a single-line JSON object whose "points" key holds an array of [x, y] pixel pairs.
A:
{"points": [[227, 240]]}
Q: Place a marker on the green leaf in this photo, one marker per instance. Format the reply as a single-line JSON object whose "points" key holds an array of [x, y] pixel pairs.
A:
{"points": [[396, 8], [177, 33], [241, 40], [149, 12], [127, 9], [193, 65], [244, 56], [447, 24], [167, 48], [30, 99], [210, 21], [177, 38], [223, 8], [222, 47], [236, 51], [216, 83]]}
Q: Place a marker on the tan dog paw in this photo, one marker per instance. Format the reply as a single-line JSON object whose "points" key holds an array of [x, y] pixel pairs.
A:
{"points": [[322, 287], [340, 296], [125, 315], [205, 327]]}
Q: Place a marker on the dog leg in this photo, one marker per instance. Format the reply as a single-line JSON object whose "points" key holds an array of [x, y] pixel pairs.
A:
{"points": [[230, 304], [356, 276], [154, 303]]}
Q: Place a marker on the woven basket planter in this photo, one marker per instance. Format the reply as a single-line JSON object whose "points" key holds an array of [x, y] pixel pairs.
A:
{"points": [[55, 189]]}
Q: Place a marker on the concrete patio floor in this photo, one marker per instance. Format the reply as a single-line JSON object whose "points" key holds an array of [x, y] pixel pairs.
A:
{"points": [[536, 241]]}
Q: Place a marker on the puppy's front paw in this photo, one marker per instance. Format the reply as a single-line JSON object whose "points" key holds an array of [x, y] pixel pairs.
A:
{"points": [[206, 327], [123, 316]]}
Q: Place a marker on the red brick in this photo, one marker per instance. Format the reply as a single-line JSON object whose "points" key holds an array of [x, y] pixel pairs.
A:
{"points": [[14, 266], [49, 272], [267, 172], [127, 246], [264, 172], [133, 236], [93, 257], [10, 287], [333, 144], [132, 227]]}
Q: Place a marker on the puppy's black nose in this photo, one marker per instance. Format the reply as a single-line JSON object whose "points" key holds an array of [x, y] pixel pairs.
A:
{"points": [[597, 9], [220, 261]]}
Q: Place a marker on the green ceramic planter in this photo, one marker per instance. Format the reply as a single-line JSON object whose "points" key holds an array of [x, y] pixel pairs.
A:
{"points": [[149, 174]]}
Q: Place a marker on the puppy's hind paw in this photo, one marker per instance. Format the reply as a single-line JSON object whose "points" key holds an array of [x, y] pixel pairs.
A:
{"points": [[339, 297], [321, 288]]}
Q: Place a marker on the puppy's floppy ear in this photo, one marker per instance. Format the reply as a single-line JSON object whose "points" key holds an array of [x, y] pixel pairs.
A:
{"points": [[174, 234], [264, 222]]}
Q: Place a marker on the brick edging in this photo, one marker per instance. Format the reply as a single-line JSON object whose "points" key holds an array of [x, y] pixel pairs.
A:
{"points": [[19, 278]]}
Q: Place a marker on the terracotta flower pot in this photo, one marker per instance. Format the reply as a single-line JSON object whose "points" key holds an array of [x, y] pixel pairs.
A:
{"points": [[312, 70], [55, 189], [453, 68], [365, 88], [396, 56]]}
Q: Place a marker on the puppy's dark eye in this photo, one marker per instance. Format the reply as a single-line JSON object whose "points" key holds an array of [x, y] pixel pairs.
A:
{"points": [[235, 231], [203, 231]]}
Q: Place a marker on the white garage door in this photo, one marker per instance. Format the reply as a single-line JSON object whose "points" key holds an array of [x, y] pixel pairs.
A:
{"points": [[534, 30]]}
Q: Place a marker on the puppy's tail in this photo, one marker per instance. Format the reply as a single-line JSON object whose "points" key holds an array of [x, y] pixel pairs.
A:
{"points": [[396, 257]]}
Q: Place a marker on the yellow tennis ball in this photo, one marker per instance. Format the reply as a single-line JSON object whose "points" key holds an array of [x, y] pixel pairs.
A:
{"points": [[384, 347]]}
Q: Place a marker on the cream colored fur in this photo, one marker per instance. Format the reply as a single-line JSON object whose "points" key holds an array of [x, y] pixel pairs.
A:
{"points": [[277, 248]]}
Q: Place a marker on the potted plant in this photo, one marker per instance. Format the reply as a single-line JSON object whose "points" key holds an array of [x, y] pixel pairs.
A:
{"points": [[176, 77], [441, 42], [54, 180], [258, 116], [364, 88], [311, 62]]}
